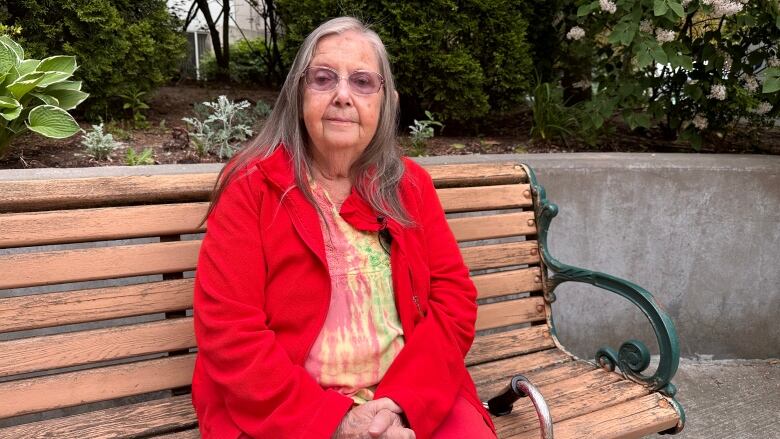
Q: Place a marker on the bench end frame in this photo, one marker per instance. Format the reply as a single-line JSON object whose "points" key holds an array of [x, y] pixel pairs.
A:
{"points": [[633, 357]]}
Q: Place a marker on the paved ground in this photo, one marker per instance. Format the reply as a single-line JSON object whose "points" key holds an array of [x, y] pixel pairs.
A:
{"points": [[737, 399]]}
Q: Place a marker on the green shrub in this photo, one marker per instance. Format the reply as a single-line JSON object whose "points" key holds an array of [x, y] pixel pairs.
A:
{"points": [[36, 94], [119, 44], [458, 60], [246, 64]]}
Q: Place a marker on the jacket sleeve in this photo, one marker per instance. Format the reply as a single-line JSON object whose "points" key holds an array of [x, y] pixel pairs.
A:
{"points": [[264, 393], [427, 375]]}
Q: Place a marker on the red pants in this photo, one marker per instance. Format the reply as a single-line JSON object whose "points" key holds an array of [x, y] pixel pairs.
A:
{"points": [[464, 421]]}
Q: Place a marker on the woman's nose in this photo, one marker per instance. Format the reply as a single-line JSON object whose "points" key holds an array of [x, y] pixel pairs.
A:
{"points": [[343, 93]]}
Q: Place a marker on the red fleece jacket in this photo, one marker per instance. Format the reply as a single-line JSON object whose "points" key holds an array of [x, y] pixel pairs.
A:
{"points": [[262, 291]]}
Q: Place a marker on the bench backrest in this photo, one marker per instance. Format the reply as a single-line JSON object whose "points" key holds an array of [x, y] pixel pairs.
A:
{"points": [[114, 324]]}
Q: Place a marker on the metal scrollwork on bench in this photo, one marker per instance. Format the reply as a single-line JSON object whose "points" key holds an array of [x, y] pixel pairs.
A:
{"points": [[633, 357]]}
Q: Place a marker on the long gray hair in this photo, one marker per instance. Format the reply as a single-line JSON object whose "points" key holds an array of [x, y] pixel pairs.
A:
{"points": [[375, 174]]}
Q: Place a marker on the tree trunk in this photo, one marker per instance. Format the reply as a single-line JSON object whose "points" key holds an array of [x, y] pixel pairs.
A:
{"points": [[223, 68]]}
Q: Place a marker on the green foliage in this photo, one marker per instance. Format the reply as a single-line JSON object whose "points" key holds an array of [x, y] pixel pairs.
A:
{"points": [[551, 117], [222, 124], [133, 101], [120, 44], [36, 94], [246, 63], [98, 144], [133, 158], [457, 59], [421, 131], [692, 67]]}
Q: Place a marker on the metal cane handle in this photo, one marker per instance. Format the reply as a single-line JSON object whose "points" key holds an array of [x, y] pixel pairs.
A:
{"points": [[519, 387]]}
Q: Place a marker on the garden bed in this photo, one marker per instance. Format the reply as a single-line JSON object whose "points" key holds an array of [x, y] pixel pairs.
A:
{"points": [[166, 136]]}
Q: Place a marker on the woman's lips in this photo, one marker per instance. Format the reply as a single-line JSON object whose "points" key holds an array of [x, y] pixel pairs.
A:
{"points": [[339, 120]]}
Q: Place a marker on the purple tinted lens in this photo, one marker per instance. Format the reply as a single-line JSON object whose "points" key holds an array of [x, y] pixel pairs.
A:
{"points": [[322, 79], [364, 82]]}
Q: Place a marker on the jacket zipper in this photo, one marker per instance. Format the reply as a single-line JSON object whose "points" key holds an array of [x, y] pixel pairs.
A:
{"points": [[417, 303]]}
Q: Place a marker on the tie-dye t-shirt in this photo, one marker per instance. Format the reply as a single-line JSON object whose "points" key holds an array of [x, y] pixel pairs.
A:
{"points": [[362, 333]]}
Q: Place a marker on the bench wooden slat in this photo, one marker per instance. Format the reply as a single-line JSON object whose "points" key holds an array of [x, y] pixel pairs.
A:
{"points": [[571, 398], [469, 199], [30, 269], [76, 348], [476, 174], [54, 309], [632, 419], [510, 312], [501, 255], [493, 226], [508, 282], [187, 434], [506, 344], [107, 223], [134, 420], [74, 388], [65, 226], [34, 195], [487, 374]]}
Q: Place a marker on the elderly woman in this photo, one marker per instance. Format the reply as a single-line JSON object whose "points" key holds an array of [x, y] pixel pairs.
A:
{"points": [[331, 299]]}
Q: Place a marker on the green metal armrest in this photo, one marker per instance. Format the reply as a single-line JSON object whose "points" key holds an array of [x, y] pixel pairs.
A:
{"points": [[633, 357]]}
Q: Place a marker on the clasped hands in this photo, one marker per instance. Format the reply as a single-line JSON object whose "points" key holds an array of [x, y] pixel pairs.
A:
{"points": [[377, 419]]}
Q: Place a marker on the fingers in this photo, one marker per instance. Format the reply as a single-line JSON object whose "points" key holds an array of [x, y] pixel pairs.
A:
{"points": [[395, 432], [382, 421], [385, 403]]}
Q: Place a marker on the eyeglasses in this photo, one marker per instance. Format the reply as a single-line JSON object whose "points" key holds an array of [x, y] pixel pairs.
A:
{"points": [[326, 79]]}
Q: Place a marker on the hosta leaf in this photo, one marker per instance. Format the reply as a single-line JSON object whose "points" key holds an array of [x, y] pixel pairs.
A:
{"points": [[53, 78], [59, 63], [51, 121], [46, 99], [64, 85], [68, 99], [8, 58], [13, 45], [10, 108], [27, 66], [25, 83]]}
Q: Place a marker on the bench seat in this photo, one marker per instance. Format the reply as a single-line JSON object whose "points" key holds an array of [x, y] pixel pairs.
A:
{"points": [[97, 339]]}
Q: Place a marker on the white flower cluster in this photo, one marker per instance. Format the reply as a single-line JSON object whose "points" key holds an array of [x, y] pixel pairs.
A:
{"points": [[718, 92], [575, 33], [700, 122], [774, 62], [763, 108], [608, 6], [646, 26], [686, 2], [727, 62], [665, 35], [584, 84], [725, 8], [751, 83]]}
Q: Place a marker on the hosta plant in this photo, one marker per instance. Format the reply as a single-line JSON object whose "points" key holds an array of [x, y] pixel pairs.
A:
{"points": [[36, 94]]}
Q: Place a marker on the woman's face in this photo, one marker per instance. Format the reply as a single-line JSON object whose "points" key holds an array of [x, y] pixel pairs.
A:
{"points": [[341, 119]]}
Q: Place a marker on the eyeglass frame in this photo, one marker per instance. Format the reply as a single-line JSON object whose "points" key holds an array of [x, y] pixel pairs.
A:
{"points": [[381, 79]]}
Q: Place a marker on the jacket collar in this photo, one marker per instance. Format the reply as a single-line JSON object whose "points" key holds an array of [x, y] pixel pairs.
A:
{"points": [[355, 210]]}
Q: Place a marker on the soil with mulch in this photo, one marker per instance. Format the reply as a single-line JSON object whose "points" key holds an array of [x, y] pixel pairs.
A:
{"points": [[167, 137]]}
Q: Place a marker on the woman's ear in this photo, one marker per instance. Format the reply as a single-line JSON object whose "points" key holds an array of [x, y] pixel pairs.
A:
{"points": [[395, 92]]}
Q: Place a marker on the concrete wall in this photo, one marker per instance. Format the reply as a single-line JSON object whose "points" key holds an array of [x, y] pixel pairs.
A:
{"points": [[701, 232]]}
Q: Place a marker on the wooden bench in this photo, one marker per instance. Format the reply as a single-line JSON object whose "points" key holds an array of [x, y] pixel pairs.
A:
{"points": [[107, 359]]}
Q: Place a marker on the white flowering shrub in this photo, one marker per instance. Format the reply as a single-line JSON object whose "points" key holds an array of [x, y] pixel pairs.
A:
{"points": [[692, 67]]}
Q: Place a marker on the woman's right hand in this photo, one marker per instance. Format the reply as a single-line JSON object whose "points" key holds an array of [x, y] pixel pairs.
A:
{"points": [[378, 419]]}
